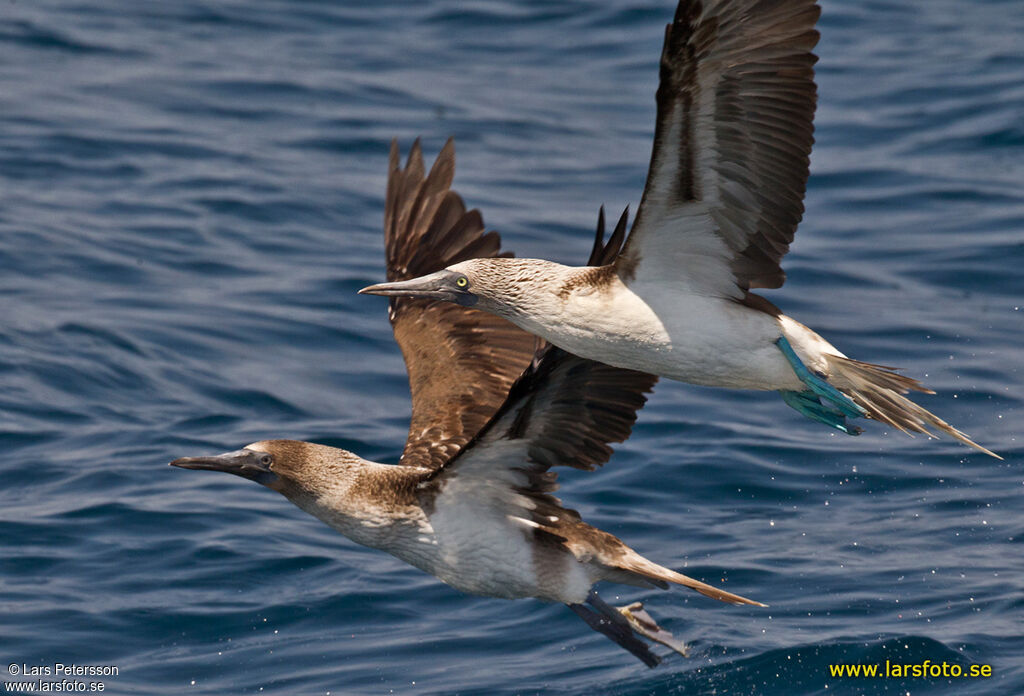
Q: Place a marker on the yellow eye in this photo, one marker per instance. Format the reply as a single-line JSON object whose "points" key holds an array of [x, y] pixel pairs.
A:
{"points": [[462, 281]]}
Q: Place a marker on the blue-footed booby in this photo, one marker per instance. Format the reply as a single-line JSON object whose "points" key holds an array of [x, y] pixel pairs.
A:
{"points": [[470, 500], [724, 195]]}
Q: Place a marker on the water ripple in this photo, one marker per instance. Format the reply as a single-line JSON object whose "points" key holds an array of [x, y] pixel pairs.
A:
{"points": [[192, 195]]}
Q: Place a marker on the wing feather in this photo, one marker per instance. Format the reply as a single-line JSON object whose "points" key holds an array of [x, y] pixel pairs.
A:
{"points": [[732, 142], [563, 411], [461, 361]]}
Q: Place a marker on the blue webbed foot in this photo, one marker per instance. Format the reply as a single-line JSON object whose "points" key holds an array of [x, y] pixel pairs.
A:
{"points": [[821, 401], [808, 403]]}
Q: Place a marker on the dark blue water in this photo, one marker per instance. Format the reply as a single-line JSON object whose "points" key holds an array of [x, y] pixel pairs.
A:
{"points": [[190, 195]]}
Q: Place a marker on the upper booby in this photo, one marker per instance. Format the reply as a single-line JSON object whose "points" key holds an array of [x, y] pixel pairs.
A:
{"points": [[471, 499], [723, 197]]}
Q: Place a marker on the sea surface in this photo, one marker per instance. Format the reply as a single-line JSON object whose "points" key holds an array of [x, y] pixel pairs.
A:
{"points": [[191, 193]]}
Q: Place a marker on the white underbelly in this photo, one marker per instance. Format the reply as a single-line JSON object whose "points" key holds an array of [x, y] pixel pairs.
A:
{"points": [[476, 549], [701, 340]]}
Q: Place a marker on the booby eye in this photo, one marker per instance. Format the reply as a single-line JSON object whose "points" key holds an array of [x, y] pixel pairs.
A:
{"points": [[266, 460], [462, 282]]}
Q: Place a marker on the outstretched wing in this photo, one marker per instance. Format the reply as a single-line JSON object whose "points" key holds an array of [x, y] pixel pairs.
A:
{"points": [[461, 361], [563, 411], [734, 130]]}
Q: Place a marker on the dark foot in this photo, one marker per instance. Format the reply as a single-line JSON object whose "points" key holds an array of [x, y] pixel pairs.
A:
{"points": [[612, 623], [642, 623]]}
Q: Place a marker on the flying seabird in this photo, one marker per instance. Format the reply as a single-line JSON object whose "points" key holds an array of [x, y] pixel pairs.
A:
{"points": [[724, 195], [470, 501]]}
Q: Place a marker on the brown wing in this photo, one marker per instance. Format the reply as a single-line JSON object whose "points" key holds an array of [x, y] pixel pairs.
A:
{"points": [[732, 142], [567, 410], [563, 411], [461, 361]]}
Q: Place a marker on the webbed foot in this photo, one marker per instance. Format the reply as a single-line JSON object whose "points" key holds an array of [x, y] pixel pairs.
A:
{"points": [[609, 621], [642, 623], [820, 401], [808, 403]]}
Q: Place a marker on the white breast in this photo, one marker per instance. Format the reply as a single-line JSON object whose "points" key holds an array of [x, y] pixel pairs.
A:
{"points": [[486, 546], [670, 332]]}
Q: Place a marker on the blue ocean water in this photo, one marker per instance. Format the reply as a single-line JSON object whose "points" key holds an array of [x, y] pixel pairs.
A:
{"points": [[190, 195]]}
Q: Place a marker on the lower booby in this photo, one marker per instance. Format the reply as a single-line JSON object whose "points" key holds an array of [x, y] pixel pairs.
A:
{"points": [[723, 198], [471, 499]]}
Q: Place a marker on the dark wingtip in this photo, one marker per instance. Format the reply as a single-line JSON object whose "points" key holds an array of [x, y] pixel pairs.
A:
{"points": [[426, 226], [618, 238], [597, 251], [415, 158], [604, 253]]}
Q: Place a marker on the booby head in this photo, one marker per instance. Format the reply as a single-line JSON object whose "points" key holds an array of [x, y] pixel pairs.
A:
{"points": [[290, 467], [502, 286], [357, 497], [247, 462], [448, 285]]}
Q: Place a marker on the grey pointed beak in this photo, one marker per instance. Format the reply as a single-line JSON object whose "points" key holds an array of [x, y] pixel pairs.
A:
{"points": [[436, 286], [249, 464]]}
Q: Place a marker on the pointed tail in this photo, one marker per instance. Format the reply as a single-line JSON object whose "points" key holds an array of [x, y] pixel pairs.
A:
{"points": [[879, 391], [635, 563]]}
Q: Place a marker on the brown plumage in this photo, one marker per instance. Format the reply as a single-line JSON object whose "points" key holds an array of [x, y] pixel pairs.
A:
{"points": [[461, 361], [721, 204], [427, 229], [566, 410], [471, 499]]}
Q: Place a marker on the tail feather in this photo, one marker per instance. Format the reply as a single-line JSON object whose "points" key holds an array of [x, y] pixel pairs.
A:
{"points": [[641, 566], [879, 391], [617, 562]]}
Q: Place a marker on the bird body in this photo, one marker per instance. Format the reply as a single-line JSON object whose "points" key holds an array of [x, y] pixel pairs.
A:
{"points": [[722, 201], [661, 328], [459, 532], [472, 528], [470, 501]]}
